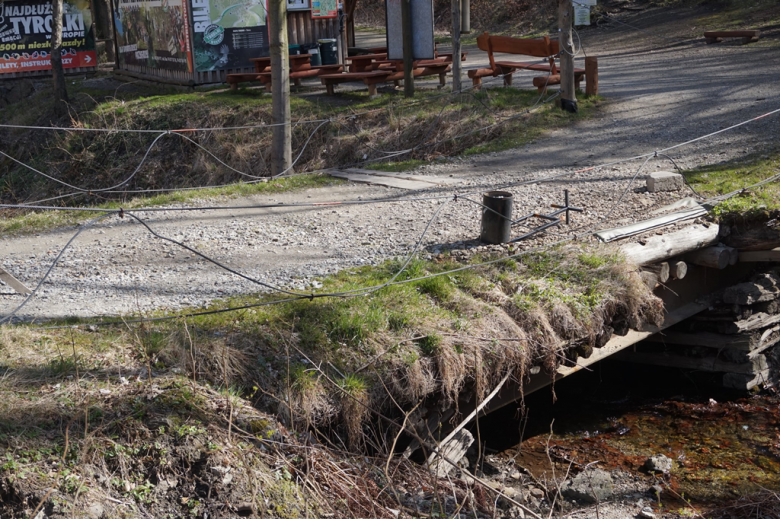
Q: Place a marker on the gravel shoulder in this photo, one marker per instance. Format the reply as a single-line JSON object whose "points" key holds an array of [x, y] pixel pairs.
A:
{"points": [[659, 93]]}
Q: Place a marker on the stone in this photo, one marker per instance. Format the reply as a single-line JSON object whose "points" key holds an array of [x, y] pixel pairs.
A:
{"points": [[94, 511], [590, 486], [647, 512], [658, 464], [664, 181]]}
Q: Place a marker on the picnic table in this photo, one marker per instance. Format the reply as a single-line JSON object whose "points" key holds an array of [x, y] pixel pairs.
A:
{"points": [[365, 62], [372, 71], [300, 67]]}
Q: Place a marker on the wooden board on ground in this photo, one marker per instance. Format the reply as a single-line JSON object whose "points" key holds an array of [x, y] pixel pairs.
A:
{"points": [[14, 283], [390, 180], [431, 179], [760, 255], [709, 363]]}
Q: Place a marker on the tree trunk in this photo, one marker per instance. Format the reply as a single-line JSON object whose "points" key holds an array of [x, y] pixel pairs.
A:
{"points": [[568, 98], [58, 74], [281, 151]]}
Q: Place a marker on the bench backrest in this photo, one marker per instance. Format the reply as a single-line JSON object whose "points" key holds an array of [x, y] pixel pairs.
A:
{"points": [[537, 47]]}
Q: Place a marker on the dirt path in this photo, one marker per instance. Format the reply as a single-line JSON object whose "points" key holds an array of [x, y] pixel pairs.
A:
{"points": [[659, 93]]}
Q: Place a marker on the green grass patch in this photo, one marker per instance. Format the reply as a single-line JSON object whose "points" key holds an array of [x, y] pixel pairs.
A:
{"points": [[719, 179]]}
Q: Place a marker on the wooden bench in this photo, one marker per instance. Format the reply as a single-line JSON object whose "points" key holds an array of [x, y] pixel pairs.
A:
{"points": [[747, 36], [543, 48]]}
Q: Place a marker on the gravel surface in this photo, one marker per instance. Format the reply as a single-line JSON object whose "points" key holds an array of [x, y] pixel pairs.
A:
{"points": [[659, 94]]}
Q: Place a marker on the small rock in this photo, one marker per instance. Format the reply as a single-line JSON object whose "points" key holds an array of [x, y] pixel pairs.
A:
{"points": [[515, 475], [537, 492], [664, 181], [94, 511], [591, 486], [658, 464], [647, 512]]}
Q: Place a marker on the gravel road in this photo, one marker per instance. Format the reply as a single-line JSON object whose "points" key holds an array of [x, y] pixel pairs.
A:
{"points": [[659, 93]]}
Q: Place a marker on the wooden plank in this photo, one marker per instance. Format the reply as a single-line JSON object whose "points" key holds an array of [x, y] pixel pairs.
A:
{"points": [[432, 179], [760, 255], [710, 364], [752, 323], [14, 283], [744, 342], [399, 183], [537, 47]]}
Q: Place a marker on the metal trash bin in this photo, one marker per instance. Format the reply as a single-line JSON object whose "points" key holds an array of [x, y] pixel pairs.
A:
{"points": [[496, 217], [329, 51], [314, 51]]}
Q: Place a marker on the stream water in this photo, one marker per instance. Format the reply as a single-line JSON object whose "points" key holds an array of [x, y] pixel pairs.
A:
{"points": [[722, 444]]}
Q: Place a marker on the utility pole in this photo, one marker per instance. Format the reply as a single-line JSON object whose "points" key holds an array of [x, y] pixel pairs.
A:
{"points": [[406, 21], [281, 151], [456, 73], [568, 97], [57, 72]]}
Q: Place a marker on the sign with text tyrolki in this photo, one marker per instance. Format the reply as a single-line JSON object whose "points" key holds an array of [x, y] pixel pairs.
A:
{"points": [[227, 33], [25, 36]]}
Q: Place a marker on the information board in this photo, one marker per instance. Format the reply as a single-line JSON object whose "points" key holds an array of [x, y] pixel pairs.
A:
{"points": [[25, 35], [153, 33], [227, 33], [324, 8], [581, 15]]}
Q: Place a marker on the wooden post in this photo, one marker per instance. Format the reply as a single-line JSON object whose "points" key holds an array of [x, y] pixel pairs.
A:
{"points": [[591, 76], [456, 63], [281, 152], [568, 98], [406, 21], [57, 72]]}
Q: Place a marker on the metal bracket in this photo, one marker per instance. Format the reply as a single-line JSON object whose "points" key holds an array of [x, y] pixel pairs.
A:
{"points": [[553, 218]]}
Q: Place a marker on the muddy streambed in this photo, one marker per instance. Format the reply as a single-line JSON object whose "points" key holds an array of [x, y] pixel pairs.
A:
{"points": [[722, 444]]}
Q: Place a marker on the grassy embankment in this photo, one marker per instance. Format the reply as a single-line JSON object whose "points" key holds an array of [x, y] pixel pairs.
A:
{"points": [[71, 422]]}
